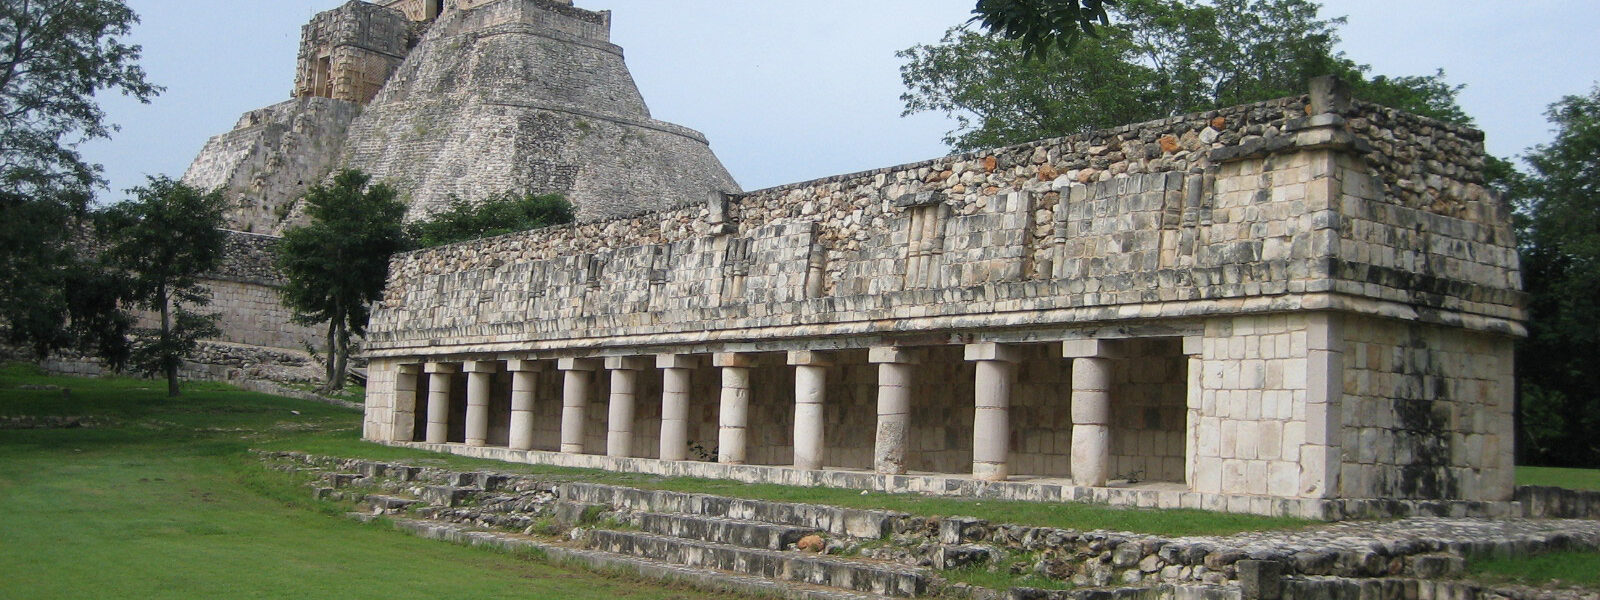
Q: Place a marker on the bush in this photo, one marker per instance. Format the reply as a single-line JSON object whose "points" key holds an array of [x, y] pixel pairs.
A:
{"points": [[497, 215]]}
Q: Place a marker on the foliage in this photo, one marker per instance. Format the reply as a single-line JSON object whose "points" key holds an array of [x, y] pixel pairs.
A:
{"points": [[1040, 26], [336, 266], [1157, 59], [161, 243], [1559, 229], [55, 56], [496, 215]]}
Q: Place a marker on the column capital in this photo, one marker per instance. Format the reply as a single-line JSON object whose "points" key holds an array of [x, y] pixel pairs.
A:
{"points": [[732, 359], [993, 351], [481, 366], [894, 355], [525, 366], [627, 363], [408, 369], [677, 361], [578, 364], [441, 368], [810, 358], [1090, 348]]}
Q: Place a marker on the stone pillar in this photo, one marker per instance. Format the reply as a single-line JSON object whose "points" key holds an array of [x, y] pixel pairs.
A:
{"points": [[676, 370], [1091, 411], [524, 386], [575, 374], [439, 401], [734, 414], [810, 389], [624, 395], [894, 407], [480, 380], [405, 404], [991, 423], [1194, 397]]}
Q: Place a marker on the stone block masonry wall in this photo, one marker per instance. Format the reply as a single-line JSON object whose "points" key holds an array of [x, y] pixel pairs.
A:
{"points": [[271, 158], [1427, 411]]}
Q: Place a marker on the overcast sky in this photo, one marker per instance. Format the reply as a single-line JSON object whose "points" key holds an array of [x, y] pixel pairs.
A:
{"points": [[791, 90]]}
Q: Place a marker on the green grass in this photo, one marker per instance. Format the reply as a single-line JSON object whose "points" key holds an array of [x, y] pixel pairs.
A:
{"points": [[1557, 568], [158, 498], [1576, 479]]}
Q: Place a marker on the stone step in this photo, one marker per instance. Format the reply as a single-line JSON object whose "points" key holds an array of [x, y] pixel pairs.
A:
{"points": [[608, 562], [852, 522], [849, 574], [721, 530], [389, 503]]}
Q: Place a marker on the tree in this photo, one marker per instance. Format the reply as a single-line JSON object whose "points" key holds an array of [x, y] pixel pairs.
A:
{"points": [[1558, 206], [163, 242], [1157, 58], [497, 215], [1040, 26], [336, 267], [55, 56]]}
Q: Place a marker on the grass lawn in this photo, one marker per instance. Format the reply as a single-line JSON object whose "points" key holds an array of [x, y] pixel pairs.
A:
{"points": [[1577, 479], [1560, 568], [157, 498]]}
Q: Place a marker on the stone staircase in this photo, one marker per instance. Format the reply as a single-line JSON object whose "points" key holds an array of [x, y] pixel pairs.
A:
{"points": [[816, 552]]}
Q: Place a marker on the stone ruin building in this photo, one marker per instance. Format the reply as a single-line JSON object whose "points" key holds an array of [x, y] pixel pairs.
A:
{"points": [[460, 98], [1302, 307], [441, 98]]}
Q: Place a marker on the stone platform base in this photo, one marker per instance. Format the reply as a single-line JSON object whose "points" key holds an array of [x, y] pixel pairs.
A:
{"points": [[1144, 495]]}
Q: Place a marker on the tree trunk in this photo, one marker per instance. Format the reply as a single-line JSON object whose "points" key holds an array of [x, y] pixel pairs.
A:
{"points": [[332, 351], [341, 358], [169, 363]]}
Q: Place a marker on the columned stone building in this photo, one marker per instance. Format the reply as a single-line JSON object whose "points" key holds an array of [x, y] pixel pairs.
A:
{"points": [[1305, 306]]}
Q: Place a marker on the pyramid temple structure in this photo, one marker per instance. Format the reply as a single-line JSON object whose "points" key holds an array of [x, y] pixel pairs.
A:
{"points": [[463, 99]]}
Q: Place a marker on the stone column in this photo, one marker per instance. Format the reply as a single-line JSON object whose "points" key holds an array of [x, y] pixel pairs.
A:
{"points": [[524, 386], [810, 389], [1194, 397], [991, 423], [894, 407], [574, 401], [480, 380], [439, 401], [624, 395], [405, 404], [734, 414], [676, 370], [1091, 410]]}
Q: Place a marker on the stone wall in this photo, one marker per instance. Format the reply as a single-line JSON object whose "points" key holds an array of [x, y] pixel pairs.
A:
{"points": [[271, 158], [348, 53]]}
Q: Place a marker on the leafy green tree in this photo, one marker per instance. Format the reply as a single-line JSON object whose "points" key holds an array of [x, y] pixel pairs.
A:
{"points": [[497, 215], [164, 241], [1157, 58], [1040, 26], [336, 267], [1559, 220], [55, 56]]}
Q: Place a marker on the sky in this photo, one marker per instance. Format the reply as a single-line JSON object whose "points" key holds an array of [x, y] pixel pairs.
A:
{"points": [[793, 90]]}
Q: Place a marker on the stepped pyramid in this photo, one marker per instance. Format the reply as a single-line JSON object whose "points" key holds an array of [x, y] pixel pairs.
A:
{"points": [[462, 98]]}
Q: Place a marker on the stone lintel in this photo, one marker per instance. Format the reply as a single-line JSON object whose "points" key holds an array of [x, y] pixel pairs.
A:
{"points": [[898, 355], [627, 363], [919, 199], [1089, 349], [810, 358], [1193, 344], [732, 359], [992, 351], [442, 368], [481, 366], [526, 365], [409, 369], [677, 361], [578, 364]]}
